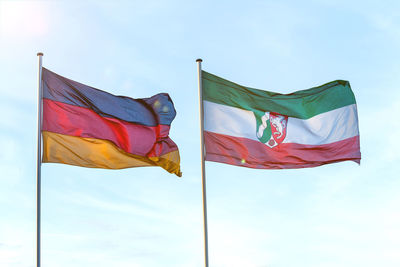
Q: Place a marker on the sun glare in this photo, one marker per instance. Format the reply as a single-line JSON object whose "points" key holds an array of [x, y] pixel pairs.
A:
{"points": [[22, 18]]}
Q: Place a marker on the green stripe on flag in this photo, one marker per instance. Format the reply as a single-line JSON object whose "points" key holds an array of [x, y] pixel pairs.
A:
{"points": [[302, 104]]}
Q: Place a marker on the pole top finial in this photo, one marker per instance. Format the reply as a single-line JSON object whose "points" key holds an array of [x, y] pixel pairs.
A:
{"points": [[199, 60], [39, 54]]}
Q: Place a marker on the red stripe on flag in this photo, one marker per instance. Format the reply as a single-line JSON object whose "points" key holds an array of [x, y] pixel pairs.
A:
{"points": [[82, 122], [253, 154]]}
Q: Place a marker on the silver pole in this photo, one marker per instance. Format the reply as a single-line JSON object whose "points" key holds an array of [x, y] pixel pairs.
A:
{"points": [[203, 174], [39, 154]]}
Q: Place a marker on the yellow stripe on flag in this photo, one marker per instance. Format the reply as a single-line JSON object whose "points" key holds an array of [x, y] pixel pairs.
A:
{"points": [[98, 153]]}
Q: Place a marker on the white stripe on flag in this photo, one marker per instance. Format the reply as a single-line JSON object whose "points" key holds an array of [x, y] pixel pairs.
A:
{"points": [[324, 128]]}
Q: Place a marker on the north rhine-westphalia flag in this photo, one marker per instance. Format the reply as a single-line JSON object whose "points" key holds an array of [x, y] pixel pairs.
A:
{"points": [[87, 127], [265, 130]]}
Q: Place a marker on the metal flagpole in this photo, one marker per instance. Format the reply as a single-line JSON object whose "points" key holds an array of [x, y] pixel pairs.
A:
{"points": [[203, 174], [39, 154]]}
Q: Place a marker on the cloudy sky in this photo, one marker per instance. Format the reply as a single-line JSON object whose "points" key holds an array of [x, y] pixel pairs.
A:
{"points": [[335, 215]]}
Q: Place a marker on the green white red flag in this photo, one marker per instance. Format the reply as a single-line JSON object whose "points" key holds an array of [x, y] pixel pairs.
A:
{"points": [[265, 130]]}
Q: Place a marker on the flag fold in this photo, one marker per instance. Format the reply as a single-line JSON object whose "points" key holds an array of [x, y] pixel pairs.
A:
{"points": [[266, 130], [87, 127]]}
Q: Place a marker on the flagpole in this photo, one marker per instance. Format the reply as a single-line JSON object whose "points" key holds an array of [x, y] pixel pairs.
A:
{"points": [[203, 174], [39, 154]]}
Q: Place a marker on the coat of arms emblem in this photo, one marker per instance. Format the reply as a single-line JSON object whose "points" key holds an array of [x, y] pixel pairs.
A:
{"points": [[271, 128]]}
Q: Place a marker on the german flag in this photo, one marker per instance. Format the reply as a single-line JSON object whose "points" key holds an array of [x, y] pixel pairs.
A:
{"points": [[87, 127]]}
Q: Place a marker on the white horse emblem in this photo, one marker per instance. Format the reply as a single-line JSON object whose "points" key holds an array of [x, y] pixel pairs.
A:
{"points": [[271, 128]]}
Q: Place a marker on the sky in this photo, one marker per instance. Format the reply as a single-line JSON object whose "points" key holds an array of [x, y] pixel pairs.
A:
{"points": [[341, 214]]}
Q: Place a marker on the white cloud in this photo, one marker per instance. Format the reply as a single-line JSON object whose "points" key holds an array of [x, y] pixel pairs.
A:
{"points": [[234, 245], [23, 19], [17, 247]]}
